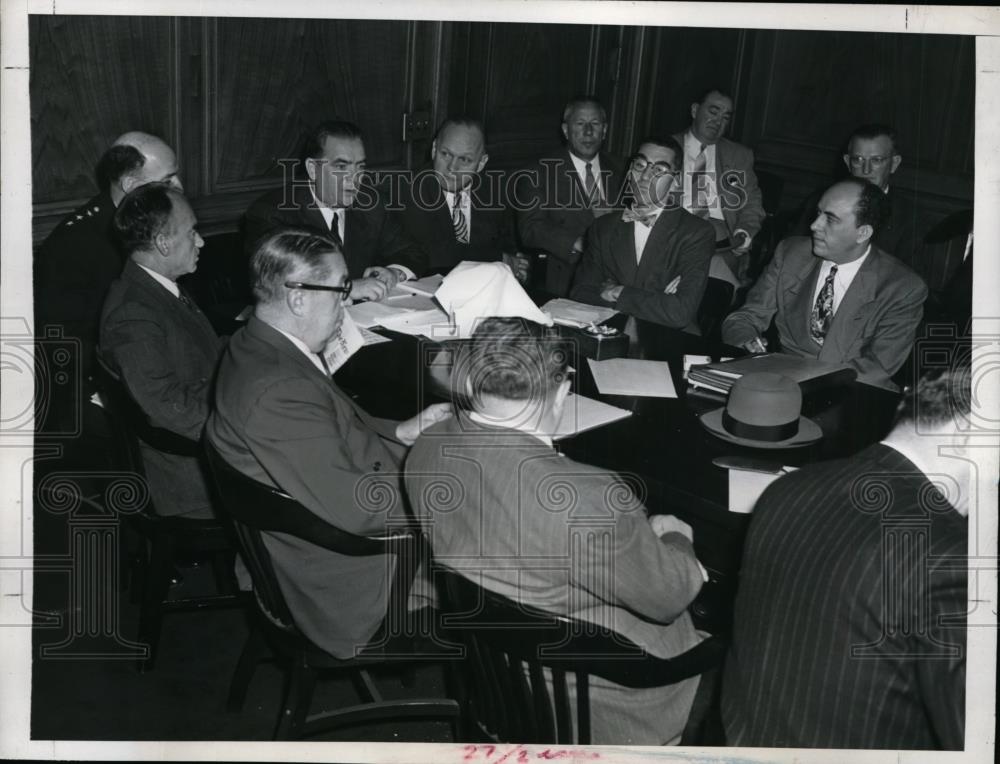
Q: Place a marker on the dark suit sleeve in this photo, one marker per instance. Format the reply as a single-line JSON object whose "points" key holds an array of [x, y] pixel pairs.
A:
{"points": [[133, 343], [751, 214], [318, 458], [753, 319], [592, 272], [893, 339], [536, 225], [680, 309], [394, 247]]}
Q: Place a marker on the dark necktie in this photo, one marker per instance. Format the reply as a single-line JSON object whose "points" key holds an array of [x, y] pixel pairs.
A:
{"points": [[590, 185], [822, 312], [185, 299], [335, 229], [699, 206], [458, 221], [326, 366]]}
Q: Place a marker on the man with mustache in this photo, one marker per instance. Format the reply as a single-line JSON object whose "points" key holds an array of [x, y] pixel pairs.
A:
{"points": [[837, 297], [720, 185]]}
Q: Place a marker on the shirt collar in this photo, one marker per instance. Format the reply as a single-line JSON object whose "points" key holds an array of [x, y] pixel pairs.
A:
{"points": [[170, 286], [475, 416], [581, 165], [692, 146], [302, 347], [847, 270]]}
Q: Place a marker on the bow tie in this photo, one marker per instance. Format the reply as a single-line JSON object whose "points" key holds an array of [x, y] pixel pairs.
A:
{"points": [[644, 215]]}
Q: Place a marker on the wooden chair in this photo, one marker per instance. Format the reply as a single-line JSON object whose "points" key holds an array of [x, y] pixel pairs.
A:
{"points": [[508, 645], [165, 540], [254, 508]]}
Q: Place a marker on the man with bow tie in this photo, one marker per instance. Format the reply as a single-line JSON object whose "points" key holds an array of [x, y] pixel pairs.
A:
{"points": [[652, 261], [164, 350], [837, 297]]}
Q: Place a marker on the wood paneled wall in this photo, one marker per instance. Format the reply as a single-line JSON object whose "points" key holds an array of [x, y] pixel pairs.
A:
{"points": [[233, 96]]}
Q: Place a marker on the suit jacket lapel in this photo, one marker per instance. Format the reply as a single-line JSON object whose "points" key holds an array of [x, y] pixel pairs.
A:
{"points": [[801, 287], [848, 318], [172, 308], [623, 250]]}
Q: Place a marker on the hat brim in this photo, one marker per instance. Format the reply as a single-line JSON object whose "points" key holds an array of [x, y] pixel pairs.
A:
{"points": [[809, 432]]}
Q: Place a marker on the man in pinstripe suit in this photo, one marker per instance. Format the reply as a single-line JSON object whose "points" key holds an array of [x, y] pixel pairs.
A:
{"points": [[850, 618]]}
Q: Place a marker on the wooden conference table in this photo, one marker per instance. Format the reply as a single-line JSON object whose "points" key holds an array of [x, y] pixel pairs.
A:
{"points": [[662, 442]]}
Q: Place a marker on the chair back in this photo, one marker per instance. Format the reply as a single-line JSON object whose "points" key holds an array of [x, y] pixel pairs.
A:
{"points": [[509, 644], [254, 508]]}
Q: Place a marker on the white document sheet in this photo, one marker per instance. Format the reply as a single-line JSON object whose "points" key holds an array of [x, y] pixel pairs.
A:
{"points": [[628, 376]]}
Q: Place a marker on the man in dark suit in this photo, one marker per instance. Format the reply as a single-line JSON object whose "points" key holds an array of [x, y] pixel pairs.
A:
{"points": [[850, 621], [720, 185], [77, 262], [331, 197], [837, 298], [451, 213], [558, 199], [280, 419], [510, 530], [652, 261], [160, 345], [873, 155]]}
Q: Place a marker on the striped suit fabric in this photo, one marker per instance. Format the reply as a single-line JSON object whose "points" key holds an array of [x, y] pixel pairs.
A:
{"points": [[850, 617]]}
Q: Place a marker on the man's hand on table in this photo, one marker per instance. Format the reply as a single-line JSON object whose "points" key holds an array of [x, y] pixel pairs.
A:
{"points": [[662, 524], [388, 276], [369, 288], [756, 345], [409, 430], [610, 291], [519, 264]]}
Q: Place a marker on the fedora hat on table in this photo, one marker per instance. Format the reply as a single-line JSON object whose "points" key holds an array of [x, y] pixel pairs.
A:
{"points": [[764, 410]]}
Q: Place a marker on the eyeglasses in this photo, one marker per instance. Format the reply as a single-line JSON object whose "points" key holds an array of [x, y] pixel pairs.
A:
{"points": [[876, 162], [658, 169], [344, 290]]}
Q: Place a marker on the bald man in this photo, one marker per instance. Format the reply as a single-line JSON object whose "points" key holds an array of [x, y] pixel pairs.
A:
{"points": [[78, 261]]}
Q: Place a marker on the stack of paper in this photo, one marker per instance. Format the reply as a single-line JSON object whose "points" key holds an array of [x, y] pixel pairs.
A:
{"points": [[578, 314], [626, 376], [581, 414], [366, 314], [808, 372], [432, 323]]}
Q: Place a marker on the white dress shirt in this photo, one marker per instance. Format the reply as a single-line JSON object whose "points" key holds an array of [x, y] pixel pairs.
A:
{"points": [[595, 167], [640, 234], [842, 281], [170, 286], [692, 147]]}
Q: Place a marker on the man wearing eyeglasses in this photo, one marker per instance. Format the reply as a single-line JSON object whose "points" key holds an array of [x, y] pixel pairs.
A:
{"points": [[332, 197], [720, 185], [281, 419], [873, 155], [651, 261]]}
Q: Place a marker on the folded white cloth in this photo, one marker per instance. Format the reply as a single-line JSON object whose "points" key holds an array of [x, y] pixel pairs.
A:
{"points": [[474, 291]]}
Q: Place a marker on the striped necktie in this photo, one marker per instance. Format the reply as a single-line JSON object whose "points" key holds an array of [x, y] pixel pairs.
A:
{"points": [[822, 312], [458, 221], [590, 185], [699, 206]]}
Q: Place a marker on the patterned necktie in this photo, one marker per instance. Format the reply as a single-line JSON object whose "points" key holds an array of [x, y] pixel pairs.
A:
{"points": [[822, 312], [643, 215], [458, 221], [699, 201], [590, 185], [335, 229], [185, 300]]}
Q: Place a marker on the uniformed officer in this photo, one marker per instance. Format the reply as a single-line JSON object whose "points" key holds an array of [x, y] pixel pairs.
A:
{"points": [[75, 266]]}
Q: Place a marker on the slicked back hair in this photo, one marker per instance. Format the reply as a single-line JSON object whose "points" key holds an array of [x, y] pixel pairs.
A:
{"points": [[118, 162], [280, 254], [667, 142], [143, 214], [584, 100], [312, 145], [872, 207], [514, 359], [707, 92], [940, 395], [873, 130]]}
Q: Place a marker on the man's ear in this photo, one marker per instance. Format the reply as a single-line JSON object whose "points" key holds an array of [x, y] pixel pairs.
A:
{"points": [[897, 160], [847, 162], [434, 149], [694, 110], [865, 232], [162, 244], [482, 162], [295, 299], [565, 129], [311, 168]]}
